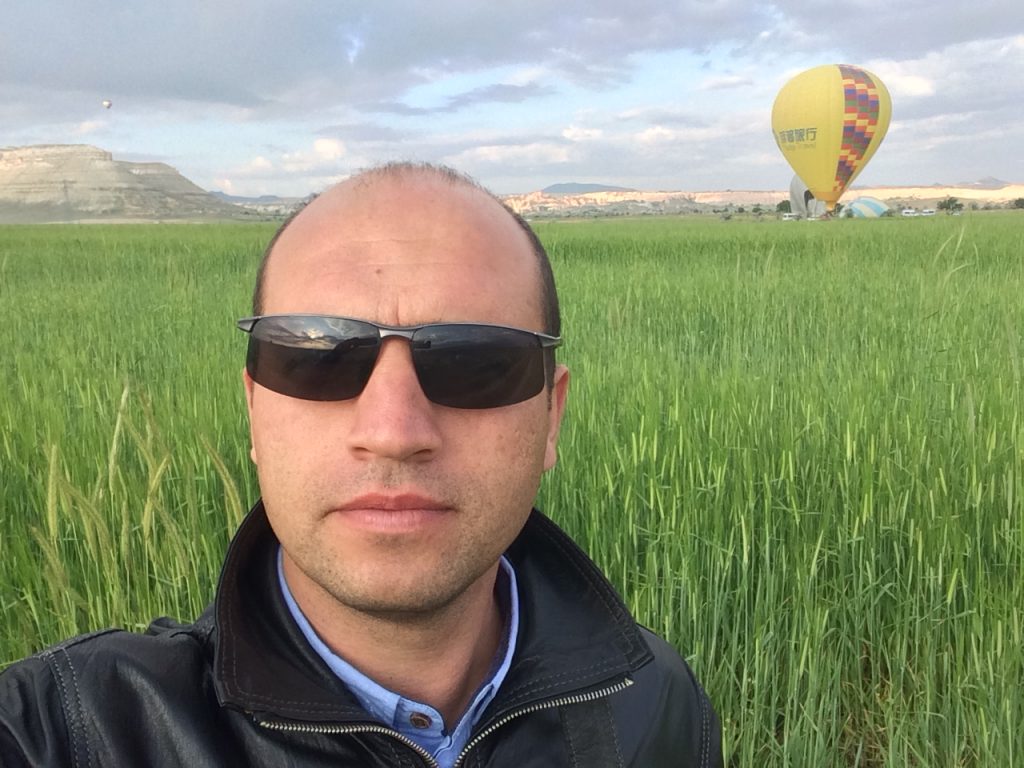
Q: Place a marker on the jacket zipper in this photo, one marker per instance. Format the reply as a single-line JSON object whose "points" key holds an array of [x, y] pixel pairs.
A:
{"points": [[327, 728], [578, 698]]}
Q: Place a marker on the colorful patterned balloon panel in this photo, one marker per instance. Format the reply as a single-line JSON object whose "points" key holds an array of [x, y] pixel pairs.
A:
{"points": [[860, 122], [828, 122]]}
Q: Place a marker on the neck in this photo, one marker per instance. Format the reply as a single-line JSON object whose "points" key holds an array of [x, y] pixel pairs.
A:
{"points": [[439, 658]]}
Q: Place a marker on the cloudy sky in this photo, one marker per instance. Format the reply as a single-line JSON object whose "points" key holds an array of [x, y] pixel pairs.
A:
{"points": [[285, 96]]}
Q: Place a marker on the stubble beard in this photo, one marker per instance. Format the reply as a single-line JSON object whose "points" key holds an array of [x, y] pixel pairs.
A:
{"points": [[398, 582], [395, 594]]}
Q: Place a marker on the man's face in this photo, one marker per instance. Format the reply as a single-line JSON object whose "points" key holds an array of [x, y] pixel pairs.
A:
{"points": [[388, 503]]}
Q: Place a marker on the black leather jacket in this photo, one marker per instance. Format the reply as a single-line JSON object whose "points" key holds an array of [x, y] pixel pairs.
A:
{"points": [[242, 687]]}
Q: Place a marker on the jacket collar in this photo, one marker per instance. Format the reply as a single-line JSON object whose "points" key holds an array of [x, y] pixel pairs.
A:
{"points": [[575, 633]]}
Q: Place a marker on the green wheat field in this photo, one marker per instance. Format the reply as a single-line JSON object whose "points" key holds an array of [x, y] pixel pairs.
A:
{"points": [[796, 448]]}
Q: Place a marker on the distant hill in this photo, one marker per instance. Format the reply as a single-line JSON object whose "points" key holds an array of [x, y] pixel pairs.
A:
{"points": [[78, 182], [989, 182], [265, 205], [239, 200], [573, 188]]}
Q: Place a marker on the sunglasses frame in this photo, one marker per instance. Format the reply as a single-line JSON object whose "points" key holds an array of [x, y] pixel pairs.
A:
{"points": [[546, 341], [406, 332]]}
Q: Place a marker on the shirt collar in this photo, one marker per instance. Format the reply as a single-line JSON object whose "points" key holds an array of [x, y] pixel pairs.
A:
{"points": [[416, 720]]}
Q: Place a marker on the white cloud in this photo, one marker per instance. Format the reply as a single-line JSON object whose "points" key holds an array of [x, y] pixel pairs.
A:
{"points": [[729, 130], [977, 75], [722, 82], [290, 172], [88, 126], [530, 154], [657, 135], [531, 74], [257, 165], [328, 149], [900, 84], [578, 133]]}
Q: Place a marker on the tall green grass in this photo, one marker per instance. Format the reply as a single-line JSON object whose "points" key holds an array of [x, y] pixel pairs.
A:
{"points": [[797, 449], [123, 461]]}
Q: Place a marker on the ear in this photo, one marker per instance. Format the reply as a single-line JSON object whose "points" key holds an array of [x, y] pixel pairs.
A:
{"points": [[248, 384], [556, 410]]}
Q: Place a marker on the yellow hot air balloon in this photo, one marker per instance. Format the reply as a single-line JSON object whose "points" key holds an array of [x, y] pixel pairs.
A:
{"points": [[828, 122]]}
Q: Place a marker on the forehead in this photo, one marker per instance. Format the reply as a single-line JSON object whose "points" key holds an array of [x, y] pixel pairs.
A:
{"points": [[405, 250]]}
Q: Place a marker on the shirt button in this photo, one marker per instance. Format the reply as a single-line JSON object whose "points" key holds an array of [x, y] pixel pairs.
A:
{"points": [[420, 720]]}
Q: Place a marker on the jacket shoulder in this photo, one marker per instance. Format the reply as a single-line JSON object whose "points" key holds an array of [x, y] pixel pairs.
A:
{"points": [[665, 718], [57, 704]]}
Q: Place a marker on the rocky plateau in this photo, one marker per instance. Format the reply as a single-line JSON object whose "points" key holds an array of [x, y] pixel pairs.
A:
{"points": [[66, 183]]}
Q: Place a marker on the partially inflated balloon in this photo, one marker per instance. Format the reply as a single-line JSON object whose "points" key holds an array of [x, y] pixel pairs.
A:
{"points": [[802, 201], [865, 208], [828, 122]]}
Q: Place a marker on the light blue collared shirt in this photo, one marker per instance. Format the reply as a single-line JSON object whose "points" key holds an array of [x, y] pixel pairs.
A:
{"points": [[416, 721]]}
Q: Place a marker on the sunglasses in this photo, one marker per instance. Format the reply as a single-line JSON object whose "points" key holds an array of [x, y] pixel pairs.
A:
{"points": [[459, 365]]}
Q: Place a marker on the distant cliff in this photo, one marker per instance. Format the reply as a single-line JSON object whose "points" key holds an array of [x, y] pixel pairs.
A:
{"points": [[639, 203], [76, 182]]}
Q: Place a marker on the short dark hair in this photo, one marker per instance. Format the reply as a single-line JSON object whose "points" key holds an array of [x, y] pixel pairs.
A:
{"points": [[551, 317]]}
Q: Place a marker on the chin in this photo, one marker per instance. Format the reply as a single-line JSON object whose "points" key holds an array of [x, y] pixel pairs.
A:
{"points": [[408, 596]]}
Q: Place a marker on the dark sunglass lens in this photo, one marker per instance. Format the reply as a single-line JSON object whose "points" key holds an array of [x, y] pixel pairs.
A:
{"points": [[312, 358], [465, 366]]}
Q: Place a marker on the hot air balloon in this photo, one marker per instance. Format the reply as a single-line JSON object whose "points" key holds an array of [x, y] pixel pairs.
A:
{"points": [[828, 122], [107, 103], [802, 201], [865, 208]]}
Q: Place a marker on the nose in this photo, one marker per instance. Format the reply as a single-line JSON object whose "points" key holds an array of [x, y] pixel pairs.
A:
{"points": [[392, 417]]}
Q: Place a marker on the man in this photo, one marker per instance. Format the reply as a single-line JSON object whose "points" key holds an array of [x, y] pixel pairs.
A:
{"points": [[392, 600]]}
